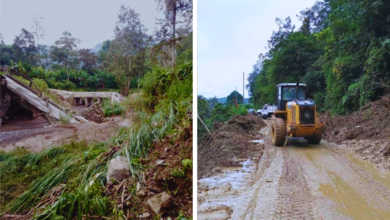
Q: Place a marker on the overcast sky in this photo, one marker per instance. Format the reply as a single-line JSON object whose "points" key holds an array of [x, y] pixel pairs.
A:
{"points": [[91, 21], [231, 35]]}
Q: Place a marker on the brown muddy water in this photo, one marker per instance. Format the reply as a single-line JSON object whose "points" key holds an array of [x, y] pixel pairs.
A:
{"points": [[299, 181]]}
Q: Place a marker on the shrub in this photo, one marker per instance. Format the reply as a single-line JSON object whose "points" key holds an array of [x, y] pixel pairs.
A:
{"points": [[110, 109]]}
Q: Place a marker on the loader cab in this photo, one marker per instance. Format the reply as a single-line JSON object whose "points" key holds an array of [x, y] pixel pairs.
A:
{"points": [[289, 91]]}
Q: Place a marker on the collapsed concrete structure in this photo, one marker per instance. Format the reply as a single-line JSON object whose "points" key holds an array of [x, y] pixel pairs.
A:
{"points": [[32, 99], [77, 98], [5, 100]]}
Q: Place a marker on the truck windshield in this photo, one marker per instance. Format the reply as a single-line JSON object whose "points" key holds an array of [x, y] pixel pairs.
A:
{"points": [[289, 93]]}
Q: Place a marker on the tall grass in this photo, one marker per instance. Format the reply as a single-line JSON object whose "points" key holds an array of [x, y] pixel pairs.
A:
{"points": [[110, 109], [64, 118]]}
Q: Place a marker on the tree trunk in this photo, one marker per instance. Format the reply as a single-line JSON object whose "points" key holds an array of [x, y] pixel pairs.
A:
{"points": [[173, 35]]}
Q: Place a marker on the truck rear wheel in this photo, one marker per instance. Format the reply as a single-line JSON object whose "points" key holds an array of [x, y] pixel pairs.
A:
{"points": [[278, 132], [314, 139]]}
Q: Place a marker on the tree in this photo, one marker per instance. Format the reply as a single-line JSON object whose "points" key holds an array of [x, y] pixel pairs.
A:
{"points": [[1, 39], [341, 51], [251, 86], [230, 100], [103, 52], [173, 9], [127, 52], [24, 46], [203, 107], [87, 59], [65, 51]]}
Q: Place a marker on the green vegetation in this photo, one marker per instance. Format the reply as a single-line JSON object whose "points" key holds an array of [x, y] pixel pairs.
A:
{"points": [[69, 181], [74, 167], [42, 86], [64, 118], [342, 52], [78, 79], [210, 111], [110, 109]]}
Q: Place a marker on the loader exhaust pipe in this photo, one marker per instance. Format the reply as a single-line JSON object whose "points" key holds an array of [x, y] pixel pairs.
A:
{"points": [[296, 91]]}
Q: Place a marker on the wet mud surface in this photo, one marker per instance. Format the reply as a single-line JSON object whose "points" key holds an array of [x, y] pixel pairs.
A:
{"points": [[37, 139], [229, 144], [299, 181]]}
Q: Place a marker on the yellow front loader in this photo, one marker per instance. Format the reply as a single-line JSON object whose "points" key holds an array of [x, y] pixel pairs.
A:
{"points": [[296, 115]]}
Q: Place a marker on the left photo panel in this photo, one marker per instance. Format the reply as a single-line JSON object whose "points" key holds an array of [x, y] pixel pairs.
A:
{"points": [[96, 105]]}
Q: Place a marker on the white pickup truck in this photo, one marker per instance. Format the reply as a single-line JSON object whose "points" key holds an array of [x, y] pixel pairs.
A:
{"points": [[266, 111]]}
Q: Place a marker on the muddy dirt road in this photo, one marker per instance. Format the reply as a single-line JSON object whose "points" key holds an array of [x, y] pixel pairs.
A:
{"points": [[299, 181]]}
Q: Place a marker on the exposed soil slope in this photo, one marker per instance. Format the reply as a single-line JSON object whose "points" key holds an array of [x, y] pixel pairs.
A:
{"points": [[366, 132], [230, 142], [371, 122]]}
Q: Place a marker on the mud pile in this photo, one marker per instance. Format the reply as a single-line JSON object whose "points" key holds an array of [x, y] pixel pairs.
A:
{"points": [[229, 144], [366, 132], [371, 122]]}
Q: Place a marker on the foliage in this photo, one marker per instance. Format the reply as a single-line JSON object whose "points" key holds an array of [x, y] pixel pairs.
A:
{"points": [[211, 112], [126, 56], [168, 34], [78, 171], [64, 51], [110, 109], [231, 98], [341, 51], [64, 118], [164, 86]]}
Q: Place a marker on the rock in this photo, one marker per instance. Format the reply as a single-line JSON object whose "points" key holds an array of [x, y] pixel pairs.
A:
{"points": [[138, 186], [156, 202], [141, 193], [159, 162], [145, 215], [118, 169]]}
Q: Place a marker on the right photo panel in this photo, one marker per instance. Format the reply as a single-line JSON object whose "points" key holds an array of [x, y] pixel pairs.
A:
{"points": [[293, 109]]}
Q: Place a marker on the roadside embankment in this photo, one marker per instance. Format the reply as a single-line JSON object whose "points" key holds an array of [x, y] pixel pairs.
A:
{"points": [[365, 132], [230, 144]]}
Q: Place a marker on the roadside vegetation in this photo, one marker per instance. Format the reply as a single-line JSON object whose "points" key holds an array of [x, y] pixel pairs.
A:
{"points": [[341, 51], [211, 111], [69, 181]]}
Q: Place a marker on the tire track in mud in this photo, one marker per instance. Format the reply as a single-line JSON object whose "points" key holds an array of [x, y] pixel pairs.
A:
{"points": [[264, 164], [301, 181], [294, 195]]}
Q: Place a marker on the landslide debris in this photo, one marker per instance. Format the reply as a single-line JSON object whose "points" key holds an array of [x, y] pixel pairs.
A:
{"points": [[230, 142], [371, 122], [167, 185], [366, 132]]}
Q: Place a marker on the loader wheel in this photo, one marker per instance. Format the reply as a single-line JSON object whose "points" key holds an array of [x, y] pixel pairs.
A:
{"points": [[315, 139], [278, 132]]}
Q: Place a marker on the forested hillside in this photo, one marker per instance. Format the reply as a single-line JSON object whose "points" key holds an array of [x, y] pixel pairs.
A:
{"points": [[341, 51]]}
